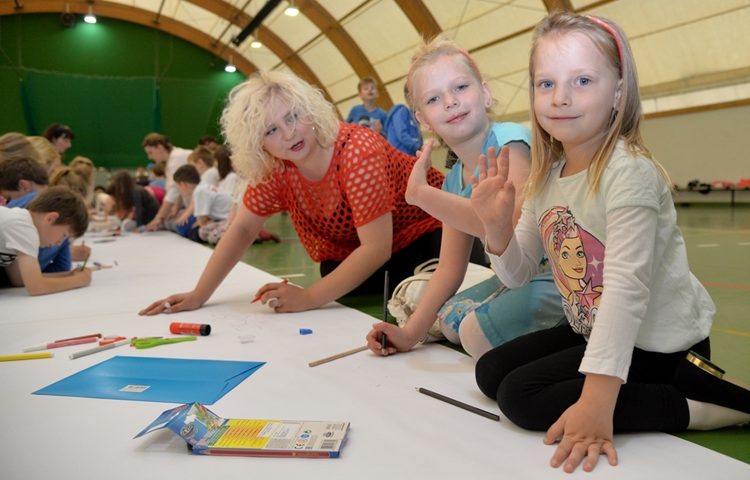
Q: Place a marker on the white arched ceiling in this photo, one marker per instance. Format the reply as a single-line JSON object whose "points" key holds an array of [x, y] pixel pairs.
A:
{"points": [[690, 53]]}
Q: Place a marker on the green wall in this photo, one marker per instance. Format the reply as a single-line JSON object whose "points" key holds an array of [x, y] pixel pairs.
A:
{"points": [[111, 82]]}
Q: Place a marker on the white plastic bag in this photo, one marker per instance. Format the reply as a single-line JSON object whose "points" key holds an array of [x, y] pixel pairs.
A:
{"points": [[408, 292]]}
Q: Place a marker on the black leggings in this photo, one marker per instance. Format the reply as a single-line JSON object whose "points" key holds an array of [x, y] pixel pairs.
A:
{"points": [[535, 378], [400, 265]]}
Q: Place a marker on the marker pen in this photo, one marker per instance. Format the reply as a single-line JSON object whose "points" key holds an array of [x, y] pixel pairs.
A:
{"points": [[64, 343]]}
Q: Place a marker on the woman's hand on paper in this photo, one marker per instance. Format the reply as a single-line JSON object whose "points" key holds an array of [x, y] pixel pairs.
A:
{"points": [[179, 302], [283, 297]]}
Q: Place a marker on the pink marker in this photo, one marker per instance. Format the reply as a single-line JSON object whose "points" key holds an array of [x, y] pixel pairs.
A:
{"points": [[64, 343]]}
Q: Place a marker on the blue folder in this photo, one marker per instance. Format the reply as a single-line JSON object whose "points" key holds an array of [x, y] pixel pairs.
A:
{"points": [[147, 379]]}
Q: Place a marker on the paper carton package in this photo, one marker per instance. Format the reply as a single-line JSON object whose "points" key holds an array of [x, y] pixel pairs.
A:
{"points": [[208, 434]]}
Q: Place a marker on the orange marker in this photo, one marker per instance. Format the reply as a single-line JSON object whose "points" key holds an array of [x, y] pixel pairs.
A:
{"points": [[108, 340]]}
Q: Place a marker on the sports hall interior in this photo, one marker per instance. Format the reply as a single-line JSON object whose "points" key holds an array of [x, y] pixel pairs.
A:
{"points": [[159, 65]]}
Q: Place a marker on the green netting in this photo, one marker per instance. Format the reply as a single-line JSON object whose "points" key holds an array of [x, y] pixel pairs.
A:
{"points": [[112, 83], [111, 115]]}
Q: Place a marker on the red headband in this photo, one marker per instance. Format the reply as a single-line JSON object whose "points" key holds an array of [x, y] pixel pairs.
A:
{"points": [[606, 26]]}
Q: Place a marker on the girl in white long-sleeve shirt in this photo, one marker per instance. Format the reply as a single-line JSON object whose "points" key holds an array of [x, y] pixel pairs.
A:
{"points": [[600, 208]]}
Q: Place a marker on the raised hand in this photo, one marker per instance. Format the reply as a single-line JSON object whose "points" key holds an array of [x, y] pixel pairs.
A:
{"points": [[419, 172], [493, 196]]}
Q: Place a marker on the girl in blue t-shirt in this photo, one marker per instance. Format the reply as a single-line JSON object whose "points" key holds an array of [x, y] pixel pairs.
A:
{"points": [[450, 99]]}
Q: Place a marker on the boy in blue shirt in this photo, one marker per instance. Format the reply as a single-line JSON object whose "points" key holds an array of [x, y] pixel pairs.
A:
{"points": [[368, 114], [401, 129]]}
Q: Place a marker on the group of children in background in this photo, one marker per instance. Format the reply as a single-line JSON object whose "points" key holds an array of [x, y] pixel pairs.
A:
{"points": [[29, 166], [567, 340], [45, 209]]}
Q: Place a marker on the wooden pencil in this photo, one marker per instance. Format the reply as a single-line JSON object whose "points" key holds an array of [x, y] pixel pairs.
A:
{"points": [[459, 404], [337, 356]]}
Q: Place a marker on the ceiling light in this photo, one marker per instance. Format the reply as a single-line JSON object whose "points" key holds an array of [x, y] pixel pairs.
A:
{"points": [[256, 44], [291, 10], [90, 17], [230, 68]]}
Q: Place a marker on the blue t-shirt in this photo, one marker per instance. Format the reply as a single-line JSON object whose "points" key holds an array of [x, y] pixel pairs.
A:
{"points": [[51, 259], [361, 116], [500, 134], [401, 130], [22, 201]]}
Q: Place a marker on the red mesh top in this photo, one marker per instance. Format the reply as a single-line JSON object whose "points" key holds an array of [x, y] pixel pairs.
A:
{"points": [[366, 178]]}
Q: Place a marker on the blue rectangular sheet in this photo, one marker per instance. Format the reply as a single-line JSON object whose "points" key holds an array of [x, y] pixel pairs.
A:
{"points": [[149, 379]]}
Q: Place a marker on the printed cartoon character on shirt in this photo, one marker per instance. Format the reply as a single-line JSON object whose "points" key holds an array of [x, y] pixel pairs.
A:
{"points": [[577, 259]]}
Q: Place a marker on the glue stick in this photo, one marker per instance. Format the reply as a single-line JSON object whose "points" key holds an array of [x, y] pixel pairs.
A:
{"points": [[190, 328]]}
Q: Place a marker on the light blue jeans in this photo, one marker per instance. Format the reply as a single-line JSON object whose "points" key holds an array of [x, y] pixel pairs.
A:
{"points": [[504, 313]]}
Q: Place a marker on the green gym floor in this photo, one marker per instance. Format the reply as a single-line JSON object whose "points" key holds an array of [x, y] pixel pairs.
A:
{"points": [[718, 244]]}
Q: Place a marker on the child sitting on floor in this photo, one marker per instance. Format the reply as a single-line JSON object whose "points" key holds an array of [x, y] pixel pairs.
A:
{"points": [[635, 352], [203, 160], [208, 204], [55, 215], [135, 205], [231, 184]]}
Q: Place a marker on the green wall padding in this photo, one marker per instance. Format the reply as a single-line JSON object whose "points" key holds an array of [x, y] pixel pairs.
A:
{"points": [[112, 83]]}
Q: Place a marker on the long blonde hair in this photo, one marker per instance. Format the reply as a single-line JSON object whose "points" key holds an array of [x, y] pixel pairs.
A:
{"points": [[69, 177], [613, 44], [15, 145], [243, 121], [48, 154]]}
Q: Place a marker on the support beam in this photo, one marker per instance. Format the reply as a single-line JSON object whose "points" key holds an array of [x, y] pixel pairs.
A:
{"points": [[341, 39], [264, 35], [421, 17], [555, 5]]}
